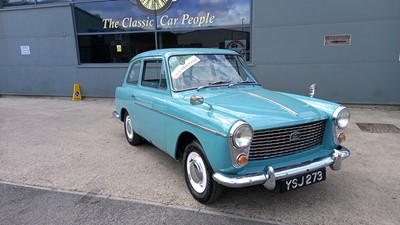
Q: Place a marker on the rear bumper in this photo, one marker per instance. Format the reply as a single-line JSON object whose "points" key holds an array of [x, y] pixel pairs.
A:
{"points": [[116, 115], [269, 176]]}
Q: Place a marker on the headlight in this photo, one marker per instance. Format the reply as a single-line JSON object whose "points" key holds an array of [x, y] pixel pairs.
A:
{"points": [[242, 136], [342, 116]]}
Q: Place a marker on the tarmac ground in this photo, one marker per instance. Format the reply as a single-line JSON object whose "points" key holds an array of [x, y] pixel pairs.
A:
{"points": [[59, 145], [33, 205]]}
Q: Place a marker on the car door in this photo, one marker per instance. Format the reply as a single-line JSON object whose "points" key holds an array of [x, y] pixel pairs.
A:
{"points": [[150, 99], [130, 92]]}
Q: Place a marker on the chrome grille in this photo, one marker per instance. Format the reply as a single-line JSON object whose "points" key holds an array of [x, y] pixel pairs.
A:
{"points": [[286, 140]]}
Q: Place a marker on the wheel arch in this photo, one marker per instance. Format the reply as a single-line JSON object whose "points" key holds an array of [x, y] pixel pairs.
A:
{"points": [[122, 114], [183, 140]]}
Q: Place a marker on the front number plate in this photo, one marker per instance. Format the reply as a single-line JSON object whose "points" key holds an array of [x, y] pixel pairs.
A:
{"points": [[303, 180]]}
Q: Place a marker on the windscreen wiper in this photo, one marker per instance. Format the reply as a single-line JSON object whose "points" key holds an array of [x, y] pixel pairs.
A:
{"points": [[213, 84], [220, 82], [245, 82]]}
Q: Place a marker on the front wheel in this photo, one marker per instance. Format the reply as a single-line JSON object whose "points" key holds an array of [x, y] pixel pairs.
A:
{"points": [[198, 175], [131, 136]]}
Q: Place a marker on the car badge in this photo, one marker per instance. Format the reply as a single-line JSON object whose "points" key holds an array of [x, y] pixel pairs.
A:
{"points": [[295, 136]]}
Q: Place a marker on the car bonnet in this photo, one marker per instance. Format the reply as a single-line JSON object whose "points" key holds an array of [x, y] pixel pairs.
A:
{"points": [[261, 108]]}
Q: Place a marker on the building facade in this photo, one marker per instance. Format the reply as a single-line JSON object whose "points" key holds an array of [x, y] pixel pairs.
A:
{"points": [[350, 49]]}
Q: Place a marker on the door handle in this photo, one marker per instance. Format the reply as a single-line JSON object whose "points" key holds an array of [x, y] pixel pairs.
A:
{"points": [[133, 96]]}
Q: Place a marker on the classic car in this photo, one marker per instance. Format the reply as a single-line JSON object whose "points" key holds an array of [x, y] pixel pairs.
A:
{"points": [[204, 107]]}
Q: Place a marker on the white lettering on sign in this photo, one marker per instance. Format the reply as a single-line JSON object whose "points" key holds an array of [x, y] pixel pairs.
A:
{"points": [[127, 22], [164, 21], [110, 23], [197, 20]]}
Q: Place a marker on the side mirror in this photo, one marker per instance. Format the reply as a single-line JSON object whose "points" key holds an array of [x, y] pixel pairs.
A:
{"points": [[313, 87], [198, 100]]}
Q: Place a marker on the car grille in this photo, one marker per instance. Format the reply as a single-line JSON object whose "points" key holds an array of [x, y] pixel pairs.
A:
{"points": [[286, 140]]}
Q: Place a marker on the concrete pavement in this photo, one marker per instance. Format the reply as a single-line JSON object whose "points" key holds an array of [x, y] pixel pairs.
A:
{"points": [[76, 146]]}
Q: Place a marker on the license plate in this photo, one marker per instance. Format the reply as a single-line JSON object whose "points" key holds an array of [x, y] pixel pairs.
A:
{"points": [[303, 180]]}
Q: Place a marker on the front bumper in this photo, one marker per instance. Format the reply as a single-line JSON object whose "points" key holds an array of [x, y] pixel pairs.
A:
{"points": [[269, 176]]}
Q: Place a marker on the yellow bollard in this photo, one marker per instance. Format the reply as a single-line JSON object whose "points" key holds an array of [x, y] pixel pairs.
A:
{"points": [[76, 96]]}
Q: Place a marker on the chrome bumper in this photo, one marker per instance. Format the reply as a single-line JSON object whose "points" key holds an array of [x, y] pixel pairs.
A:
{"points": [[116, 115], [269, 177]]}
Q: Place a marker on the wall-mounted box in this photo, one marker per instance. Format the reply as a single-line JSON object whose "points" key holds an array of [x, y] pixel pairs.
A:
{"points": [[337, 39]]}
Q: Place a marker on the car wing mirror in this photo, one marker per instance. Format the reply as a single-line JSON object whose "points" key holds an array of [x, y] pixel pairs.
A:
{"points": [[313, 87], [198, 100]]}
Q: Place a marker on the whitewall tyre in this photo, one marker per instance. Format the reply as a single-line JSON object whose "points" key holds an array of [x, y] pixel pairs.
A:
{"points": [[132, 137], [198, 175]]}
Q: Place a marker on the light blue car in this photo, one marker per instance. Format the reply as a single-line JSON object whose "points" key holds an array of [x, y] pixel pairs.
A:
{"points": [[204, 107]]}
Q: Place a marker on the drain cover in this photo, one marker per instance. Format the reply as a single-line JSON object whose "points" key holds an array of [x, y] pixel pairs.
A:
{"points": [[378, 128]]}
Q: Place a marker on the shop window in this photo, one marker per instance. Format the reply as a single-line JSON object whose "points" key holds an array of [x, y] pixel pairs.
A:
{"points": [[113, 48], [235, 39], [5, 3], [51, 1], [115, 31], [111, 16], [17, 2]]}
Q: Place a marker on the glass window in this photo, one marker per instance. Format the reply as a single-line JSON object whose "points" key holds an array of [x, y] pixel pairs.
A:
{"points": [[113, 31], [113, 48], [4, 3], [17, 2], [194, 71], [237, 39], [111, 16], [153, 74], [51, 1], [132, 15], [133, 77]]}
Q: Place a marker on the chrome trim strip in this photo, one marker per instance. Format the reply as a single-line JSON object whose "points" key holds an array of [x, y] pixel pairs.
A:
{"points": [[269, 176], [182, 120], [273, 102], [337, 111]]}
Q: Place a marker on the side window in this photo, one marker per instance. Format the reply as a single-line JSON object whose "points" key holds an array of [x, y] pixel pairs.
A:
{"points": [[153, 75], [133, 77]]}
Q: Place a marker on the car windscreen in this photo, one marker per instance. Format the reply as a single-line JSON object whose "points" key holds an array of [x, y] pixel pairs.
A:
{"points": [[195, 71]]}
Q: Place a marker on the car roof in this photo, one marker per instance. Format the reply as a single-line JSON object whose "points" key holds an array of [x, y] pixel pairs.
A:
{"points": [[179, 51]]}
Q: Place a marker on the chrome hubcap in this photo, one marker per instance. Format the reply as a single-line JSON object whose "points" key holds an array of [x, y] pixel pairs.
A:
{"points": [[128, 127], [196, 171]]}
